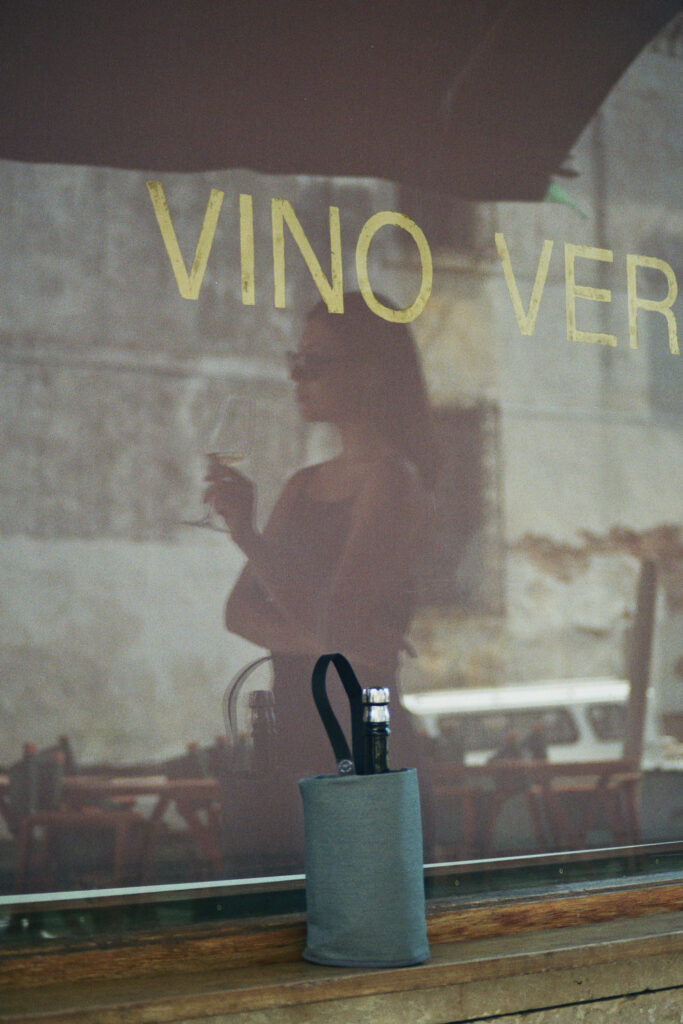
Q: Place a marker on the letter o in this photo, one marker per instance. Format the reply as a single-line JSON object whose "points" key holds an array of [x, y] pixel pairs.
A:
{"points": [[368, 231]]}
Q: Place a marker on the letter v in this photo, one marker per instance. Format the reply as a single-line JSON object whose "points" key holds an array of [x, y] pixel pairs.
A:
{"points": [[526, 321], [187, 286]]}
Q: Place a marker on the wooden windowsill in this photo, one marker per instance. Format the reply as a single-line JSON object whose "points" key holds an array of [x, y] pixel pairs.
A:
{"points": [[526, 952], [461, 981]]}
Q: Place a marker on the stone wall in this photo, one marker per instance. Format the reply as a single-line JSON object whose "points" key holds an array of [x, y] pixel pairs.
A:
{"points": [[591, 446], [111, 610]]}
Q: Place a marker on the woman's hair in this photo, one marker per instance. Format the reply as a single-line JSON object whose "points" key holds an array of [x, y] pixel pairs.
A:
{"points": [[398, 406]]}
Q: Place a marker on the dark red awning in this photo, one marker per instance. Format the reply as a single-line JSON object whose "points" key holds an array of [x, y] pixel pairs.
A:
{"points": [[478, 99]]}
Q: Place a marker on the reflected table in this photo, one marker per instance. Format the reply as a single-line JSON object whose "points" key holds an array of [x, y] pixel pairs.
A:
{"points": [[565, 802], [197, 801]]}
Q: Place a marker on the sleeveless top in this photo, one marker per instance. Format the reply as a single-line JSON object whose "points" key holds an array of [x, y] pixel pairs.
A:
{"points": [[310, 542]]}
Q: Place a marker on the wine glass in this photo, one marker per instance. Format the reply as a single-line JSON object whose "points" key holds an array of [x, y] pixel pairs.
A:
{"points": [[227, 444]]}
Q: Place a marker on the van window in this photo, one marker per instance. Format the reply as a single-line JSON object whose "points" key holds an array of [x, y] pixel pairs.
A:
{"points": [[489, 729], [607, 720]]}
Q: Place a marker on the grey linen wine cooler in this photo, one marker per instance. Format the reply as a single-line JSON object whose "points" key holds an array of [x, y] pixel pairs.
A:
{"points": [[363, 848]]}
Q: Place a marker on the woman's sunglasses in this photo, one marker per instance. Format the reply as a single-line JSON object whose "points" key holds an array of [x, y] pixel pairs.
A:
{"points": [[309, 365]]}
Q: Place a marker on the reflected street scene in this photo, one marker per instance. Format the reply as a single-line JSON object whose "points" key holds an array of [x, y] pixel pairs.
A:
{"points": [[251, 418]]}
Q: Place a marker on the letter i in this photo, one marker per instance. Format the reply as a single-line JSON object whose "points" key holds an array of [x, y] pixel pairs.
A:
{"points": [[247, 249]]}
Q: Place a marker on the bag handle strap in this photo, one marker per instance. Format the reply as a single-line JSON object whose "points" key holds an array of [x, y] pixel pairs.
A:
{"points": [[345, 762]]}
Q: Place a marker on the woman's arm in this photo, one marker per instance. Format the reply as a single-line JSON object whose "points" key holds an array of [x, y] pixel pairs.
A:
{"points": [[364, 605], [252, 614]]}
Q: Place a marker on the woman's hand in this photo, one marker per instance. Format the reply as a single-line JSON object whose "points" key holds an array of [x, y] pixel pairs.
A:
{"points": [[233, 497]]}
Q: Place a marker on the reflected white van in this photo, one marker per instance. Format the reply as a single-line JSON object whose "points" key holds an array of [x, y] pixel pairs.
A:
{"points": [[572, 719]]}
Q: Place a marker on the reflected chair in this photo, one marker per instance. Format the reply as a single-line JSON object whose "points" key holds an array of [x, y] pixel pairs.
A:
{"points": [[62, 847], [69, 848]]}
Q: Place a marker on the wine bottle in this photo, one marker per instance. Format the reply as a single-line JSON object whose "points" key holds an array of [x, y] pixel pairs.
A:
{"points": [[263, 736], [376, 730]]}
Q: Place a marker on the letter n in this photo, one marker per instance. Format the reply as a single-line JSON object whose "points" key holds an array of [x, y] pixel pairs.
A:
{"points": [[332, 293]]}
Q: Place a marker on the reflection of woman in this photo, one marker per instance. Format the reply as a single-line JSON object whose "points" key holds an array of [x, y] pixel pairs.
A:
{"points": [[335, 567]]}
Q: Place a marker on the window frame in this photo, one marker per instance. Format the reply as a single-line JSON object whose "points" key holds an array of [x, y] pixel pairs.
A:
{"points": [[209, 940]]}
